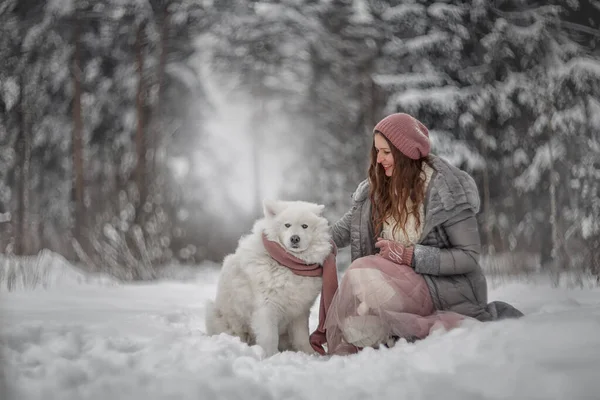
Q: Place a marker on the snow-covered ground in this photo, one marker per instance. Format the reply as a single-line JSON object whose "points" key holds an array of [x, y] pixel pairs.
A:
{"points": [[89, 339]]}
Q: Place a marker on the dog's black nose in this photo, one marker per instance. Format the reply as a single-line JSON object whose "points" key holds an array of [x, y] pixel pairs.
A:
{"points": [[295, 239]]}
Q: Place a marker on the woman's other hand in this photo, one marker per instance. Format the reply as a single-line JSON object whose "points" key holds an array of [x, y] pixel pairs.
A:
{"points": [[394, 251]]}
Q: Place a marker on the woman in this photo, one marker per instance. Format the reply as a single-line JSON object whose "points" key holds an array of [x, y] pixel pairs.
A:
{"points": [[414, 245]]}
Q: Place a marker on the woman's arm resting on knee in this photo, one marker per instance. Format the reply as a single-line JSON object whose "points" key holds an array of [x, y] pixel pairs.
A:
{"points": [[461, 257]]}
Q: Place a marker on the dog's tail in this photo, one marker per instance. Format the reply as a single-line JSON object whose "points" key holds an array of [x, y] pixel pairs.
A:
{"points": [[214, 321]]}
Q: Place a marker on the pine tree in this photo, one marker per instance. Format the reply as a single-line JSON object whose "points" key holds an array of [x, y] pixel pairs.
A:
{"points": [[485, 77]]}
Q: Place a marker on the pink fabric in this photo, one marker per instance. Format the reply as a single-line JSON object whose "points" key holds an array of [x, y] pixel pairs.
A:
{"points": [[330, 283], [378, 299], [406, 133]]}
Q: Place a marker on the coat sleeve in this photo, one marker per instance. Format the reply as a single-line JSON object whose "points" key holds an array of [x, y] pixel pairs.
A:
{"points": [[340, 231], [461, 257]]}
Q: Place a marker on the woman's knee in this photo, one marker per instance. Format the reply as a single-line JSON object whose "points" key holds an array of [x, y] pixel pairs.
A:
{"points": [[363, 262]]}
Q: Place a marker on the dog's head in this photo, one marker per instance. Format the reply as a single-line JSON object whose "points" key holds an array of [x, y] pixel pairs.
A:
{"points": [[297, 225]]}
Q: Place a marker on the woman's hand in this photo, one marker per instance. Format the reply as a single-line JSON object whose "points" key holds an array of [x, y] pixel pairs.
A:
{"points": [[394, 251], [317, 339]]}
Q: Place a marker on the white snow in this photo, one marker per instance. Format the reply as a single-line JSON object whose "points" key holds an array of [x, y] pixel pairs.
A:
{"points": [[10, 92], [581, 70], [403, 81], [362, 13], [5, 217], [146, 341], [594, 111], [45, 270], [403, 12], [545, 156], [589, 226], [60, 7], [455, 151], [445, 99], [418, 45], [183, 74], [447, 12]]}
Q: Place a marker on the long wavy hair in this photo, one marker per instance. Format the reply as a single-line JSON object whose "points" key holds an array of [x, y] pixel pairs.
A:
{"points": [[389, 194]]}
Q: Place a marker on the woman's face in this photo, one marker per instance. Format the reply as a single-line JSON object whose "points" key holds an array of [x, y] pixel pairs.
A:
{"points": [[384, 154]]}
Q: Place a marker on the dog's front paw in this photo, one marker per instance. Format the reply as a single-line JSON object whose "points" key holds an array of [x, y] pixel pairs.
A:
{"points": [[269, 347], [268, 352]]}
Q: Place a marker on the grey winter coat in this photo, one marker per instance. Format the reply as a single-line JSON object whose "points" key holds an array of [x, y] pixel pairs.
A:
{"points": [[447, 254]]}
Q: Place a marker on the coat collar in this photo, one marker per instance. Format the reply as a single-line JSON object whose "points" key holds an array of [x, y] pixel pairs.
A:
{"points": [[450, 191]]}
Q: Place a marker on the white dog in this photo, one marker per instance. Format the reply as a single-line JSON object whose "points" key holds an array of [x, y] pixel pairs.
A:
{"points": [[262, 301]]}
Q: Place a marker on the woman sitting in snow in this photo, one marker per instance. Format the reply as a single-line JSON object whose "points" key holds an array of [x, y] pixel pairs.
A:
{"points": [[414, 246]]}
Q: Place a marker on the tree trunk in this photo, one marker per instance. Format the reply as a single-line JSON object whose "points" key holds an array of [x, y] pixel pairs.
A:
{"points": [[77, 139], [140, 145], [487, 226], [557, 262], [156, 145], [593, 242], [319, 69], [24, 155]]}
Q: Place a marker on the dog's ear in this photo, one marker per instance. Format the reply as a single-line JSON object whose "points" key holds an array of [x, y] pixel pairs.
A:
{"points": [[318, 209], [271, 208]]}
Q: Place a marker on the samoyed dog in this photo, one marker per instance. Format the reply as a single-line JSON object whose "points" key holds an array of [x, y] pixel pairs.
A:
{"points": [[261, 301]]}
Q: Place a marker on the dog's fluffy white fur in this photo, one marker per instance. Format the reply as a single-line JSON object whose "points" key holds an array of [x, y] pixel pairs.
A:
{"points": [[261, 301]]}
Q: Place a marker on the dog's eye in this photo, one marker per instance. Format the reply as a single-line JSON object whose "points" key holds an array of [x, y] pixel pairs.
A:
{"points": [[288, 225], [304, 226]]}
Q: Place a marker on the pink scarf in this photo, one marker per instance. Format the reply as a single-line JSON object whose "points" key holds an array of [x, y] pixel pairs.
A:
{"points": [[330, 283]]}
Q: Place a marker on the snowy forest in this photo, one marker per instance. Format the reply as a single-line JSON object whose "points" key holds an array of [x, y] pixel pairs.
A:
{"points": [[139, 133]]}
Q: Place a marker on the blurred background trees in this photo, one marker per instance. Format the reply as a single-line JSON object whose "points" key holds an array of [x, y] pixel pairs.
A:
{"points": [[142, 132]]}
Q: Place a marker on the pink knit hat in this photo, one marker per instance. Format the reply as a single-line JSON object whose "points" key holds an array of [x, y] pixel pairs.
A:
{"points": [[406, 133]]}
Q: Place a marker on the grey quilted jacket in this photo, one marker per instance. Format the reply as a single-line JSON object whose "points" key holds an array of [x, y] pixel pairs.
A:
{"points": [[447, 254]]}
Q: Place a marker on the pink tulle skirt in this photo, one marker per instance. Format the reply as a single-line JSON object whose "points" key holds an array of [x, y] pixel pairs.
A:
{"points": [[378, 300]]}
